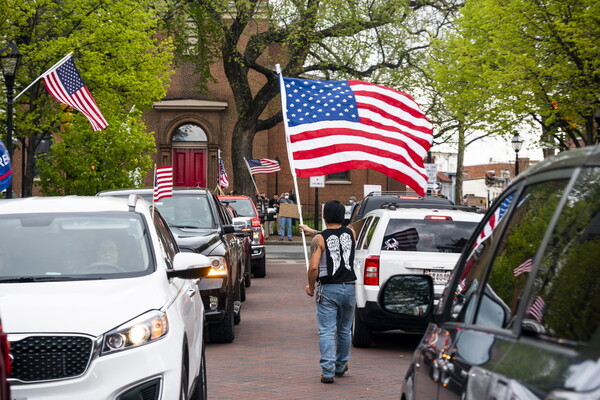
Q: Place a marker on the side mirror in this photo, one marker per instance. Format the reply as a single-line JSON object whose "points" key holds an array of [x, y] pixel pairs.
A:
{"points": [[407, 295], [243, 226], [228, 229], [190, 266]]}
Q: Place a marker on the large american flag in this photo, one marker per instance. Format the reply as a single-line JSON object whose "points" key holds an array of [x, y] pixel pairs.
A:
{"points": [[263, 166], [335, 126], [65, 84], [494, 219], [163, 183]]}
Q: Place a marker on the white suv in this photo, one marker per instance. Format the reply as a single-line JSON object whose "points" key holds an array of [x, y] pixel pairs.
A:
{"points": [[98, 302], [404, 241]]}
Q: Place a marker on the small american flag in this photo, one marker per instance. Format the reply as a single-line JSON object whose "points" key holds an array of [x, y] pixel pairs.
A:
{"points": [[494, 220], [223, 178], [163, 183], [263, 166], [536, 310], [336, 126], [524, 267], [65, 84]]}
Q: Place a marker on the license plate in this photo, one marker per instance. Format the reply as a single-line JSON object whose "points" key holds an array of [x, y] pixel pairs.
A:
{"points": [[439, 277]]}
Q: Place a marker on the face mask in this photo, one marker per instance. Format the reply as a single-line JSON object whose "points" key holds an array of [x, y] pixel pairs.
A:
{"points": [[287, 197]]}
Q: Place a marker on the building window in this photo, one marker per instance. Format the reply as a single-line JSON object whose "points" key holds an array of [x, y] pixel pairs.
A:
{"points": [[189, 133], [338, 177]]}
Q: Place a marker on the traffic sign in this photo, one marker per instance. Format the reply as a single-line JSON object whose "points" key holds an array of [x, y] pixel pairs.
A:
{"points": [[431, 171]]}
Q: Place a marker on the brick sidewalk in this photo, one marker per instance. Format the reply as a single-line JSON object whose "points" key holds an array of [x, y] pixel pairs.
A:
{"points": [[275, 354]]}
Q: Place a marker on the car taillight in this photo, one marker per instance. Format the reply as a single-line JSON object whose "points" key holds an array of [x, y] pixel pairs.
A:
{"points": [[438, 217], [372, 270]]}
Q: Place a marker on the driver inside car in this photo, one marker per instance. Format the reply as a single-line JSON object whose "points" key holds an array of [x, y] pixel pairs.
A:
{"points": [[108, 252]]}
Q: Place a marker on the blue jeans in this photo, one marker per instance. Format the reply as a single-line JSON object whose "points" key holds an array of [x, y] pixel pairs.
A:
{"points": [[334, 320], [285, 223]]}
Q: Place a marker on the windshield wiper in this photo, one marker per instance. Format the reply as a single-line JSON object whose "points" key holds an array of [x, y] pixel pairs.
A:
{"points": [[184, 226]]}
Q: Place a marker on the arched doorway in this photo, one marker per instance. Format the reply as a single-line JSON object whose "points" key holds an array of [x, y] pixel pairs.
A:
{"points": [[189, 155]]}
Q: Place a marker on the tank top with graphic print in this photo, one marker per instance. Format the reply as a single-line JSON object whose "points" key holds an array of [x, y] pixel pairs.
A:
{"points": [[337, 262]]}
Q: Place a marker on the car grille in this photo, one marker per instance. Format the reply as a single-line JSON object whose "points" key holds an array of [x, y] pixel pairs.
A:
{"points": [[42, 358]]}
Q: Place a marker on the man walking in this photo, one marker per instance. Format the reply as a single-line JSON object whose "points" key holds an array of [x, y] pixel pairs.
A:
{"points": [[331, 280], [285, 223]]}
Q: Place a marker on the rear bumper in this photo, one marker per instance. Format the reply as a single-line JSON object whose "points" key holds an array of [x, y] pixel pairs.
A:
{"points": [[380, 321]]}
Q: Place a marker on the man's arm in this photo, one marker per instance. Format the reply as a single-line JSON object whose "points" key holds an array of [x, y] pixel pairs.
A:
{"points": [[316, 249]]}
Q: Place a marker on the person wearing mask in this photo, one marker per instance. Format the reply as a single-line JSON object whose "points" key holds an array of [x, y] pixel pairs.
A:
{"points": [[331, 280], [285, 223]]}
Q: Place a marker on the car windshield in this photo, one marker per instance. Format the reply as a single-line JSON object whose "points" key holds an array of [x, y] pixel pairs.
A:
{"points": [[78, 246], [427, 235], [243, 207], [187, 211]]}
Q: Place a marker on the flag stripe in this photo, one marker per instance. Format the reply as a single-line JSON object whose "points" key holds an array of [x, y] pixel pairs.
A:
{"points": [[335, 126], [76, 95], [163, 183]]}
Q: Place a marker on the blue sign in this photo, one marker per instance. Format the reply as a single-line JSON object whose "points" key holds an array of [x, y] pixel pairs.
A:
{"points": [[5, 168]]}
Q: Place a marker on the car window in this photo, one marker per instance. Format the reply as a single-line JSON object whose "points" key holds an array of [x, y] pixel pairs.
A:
{"points": [[165, 239], [364, 224], [427, 235], [565, 301], [74, 244], [186, 210], [243, 207], [370, 232]]}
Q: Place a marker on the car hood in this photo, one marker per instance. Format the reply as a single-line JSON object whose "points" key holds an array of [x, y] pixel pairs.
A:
{"points": [[197, 240], [87, 307]]}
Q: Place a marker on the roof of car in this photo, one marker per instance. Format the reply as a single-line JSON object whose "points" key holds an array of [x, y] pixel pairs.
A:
{"points": [[411, 213], [234, 197], [64, 204], [121, 192], [589, 155]]}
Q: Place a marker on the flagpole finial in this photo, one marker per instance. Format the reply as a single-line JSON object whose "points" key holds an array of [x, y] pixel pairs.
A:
{"points": [[277, 68]]}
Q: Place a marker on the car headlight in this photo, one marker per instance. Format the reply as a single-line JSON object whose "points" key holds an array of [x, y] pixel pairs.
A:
{"points": [[142, 330], [218, 266]]}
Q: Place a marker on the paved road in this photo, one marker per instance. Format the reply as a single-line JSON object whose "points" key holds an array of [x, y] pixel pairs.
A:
{"points": [[275, 354]]}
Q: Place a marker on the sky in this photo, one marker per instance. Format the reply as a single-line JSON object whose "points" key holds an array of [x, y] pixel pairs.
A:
{"points": [[496, 149]]}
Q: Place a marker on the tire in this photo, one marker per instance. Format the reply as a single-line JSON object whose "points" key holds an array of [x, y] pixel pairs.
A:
{"points": [[260, 271], [243, 290], [239, 297], [223, 332], [362, 335], [248, 274], [200, 390]]}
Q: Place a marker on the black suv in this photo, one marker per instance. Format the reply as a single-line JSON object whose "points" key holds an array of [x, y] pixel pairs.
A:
{"points": [[201, 225], [520, 316], [376, 200]]}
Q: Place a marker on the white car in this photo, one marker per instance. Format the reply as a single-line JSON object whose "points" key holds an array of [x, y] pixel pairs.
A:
{"points": [[411, 241], [98, 302]]}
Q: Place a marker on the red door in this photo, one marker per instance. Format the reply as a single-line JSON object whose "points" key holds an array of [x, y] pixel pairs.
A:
{"points": [[189, 167]]}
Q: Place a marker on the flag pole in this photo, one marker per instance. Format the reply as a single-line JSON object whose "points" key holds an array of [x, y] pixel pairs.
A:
{"points": [[290, 157], [58, 64], [153, 189], [251, 175]]}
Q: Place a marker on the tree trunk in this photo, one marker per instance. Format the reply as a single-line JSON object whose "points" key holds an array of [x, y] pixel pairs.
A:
{"points": [[458, 189], [241, 147]]}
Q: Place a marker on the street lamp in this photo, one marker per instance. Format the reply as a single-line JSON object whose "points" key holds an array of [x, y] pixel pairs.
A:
{"points": [[10, 57], [516, 143]]}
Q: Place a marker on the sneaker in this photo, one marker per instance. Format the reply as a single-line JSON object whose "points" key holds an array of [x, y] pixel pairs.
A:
{"points": [[326, 380], [290, 239], [341, 373], [280, 239]]}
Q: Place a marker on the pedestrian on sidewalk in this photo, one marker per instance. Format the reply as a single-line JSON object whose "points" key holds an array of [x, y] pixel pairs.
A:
{"points": [[285, 223], [331, 280]]}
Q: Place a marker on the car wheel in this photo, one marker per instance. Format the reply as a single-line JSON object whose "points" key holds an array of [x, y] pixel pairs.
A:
{"points": [[200, 390], [261, 268], [248, 278], [243, 290], [237, 308], [222, 332], [361, 333]]}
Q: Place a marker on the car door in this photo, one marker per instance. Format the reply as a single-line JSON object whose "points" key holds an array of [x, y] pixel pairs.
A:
{"points": [[490, 285], [185, 292]]}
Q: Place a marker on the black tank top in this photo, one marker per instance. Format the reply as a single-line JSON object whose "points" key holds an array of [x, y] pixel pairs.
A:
{"points": [[339, 256]]}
